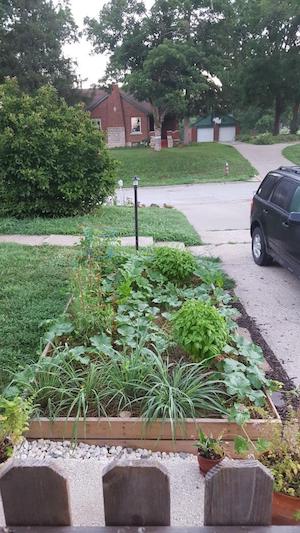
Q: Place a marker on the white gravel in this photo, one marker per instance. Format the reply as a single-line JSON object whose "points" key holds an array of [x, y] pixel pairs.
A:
{"points": [[83, 466]]}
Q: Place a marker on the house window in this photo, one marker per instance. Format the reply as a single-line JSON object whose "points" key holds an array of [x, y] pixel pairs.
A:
{"points": [[136, 125], [97, 123]]}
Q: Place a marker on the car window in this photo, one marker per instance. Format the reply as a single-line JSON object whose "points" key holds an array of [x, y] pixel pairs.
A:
{"points": [[267, 186], [295, 203], [283, 193]]}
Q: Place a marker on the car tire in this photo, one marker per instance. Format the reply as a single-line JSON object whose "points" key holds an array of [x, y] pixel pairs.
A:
{"points": [[259, 252]]}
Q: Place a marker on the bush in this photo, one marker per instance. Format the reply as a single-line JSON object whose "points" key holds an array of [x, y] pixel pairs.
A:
{"points": [[175, 265], [53, 160], [264, 138], [200, 329], [265, 123]]}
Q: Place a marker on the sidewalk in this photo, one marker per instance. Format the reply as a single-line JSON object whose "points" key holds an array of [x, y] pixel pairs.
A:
{"points": [[74, 240]]}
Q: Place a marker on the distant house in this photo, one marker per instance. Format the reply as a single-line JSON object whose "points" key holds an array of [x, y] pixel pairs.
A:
{"points": [[220, 129], [126, 121]]}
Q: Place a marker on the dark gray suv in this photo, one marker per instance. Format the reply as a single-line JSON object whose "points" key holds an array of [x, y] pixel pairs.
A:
{"points": [[275, 219]]}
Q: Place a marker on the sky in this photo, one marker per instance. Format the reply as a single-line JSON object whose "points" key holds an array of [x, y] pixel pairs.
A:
{"points": [[90, 67]]}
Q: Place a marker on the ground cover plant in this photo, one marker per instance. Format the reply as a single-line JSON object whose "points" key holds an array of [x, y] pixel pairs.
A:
{"points": [[119, 347], [293, 153], [196, 163], [162, 224], [33, 287]]}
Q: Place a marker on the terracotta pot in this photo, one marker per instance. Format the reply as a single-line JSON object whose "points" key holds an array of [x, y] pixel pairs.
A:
{"points": [[284, 508], [207, 464]]}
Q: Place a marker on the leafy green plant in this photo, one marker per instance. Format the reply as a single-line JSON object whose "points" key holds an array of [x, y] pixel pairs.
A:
{"points": [[209, 447], [55, 162], [175, 265], [283, 458], [200, 329], [90, 313], [14, 418], [243, 372]]}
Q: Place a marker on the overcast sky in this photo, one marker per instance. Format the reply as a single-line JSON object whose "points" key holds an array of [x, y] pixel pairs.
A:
{"points": [[90, 66]]}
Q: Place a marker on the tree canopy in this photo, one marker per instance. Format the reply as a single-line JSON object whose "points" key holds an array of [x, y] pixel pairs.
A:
{"points": [[168, 56], [173, 54], [32, 36]]}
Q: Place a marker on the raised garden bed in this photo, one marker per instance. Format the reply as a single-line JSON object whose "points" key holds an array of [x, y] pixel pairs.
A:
{"points": [[155, 436], [153, 334]]}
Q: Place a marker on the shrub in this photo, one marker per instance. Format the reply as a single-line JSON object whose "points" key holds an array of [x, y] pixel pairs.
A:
{"points": [[53, 160], [264, 138], [175, 265], [200, 329]]}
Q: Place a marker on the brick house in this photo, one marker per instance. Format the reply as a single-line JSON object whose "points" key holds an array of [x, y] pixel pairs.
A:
{"points": [[125, 120]]}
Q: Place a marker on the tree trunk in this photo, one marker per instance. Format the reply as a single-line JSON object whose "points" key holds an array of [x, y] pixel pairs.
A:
{"points": [[294, 126], [277, 116], [158, 121], [186, 128]]}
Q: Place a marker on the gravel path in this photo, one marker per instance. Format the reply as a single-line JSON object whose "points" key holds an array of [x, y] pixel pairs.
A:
{"points": [[83, 465]]}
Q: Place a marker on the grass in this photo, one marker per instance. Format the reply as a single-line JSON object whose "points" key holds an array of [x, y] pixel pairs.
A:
{"points": [[292, 153], [160, 223], [33, 288], [197, 163]]}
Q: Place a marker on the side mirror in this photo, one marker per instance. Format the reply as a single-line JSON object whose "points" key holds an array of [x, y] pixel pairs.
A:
{"points": [[294, 218]]}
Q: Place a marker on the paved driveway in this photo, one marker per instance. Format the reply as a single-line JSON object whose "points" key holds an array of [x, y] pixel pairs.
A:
{"points": [[271, 295], [264, 158]]}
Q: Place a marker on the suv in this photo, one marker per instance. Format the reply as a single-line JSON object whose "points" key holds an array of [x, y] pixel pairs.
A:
{"points": [[275, 219]]}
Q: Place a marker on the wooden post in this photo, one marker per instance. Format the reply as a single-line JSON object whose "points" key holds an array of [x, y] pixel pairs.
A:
{"points": [[238, 493], [136, 493], [34, 494]]}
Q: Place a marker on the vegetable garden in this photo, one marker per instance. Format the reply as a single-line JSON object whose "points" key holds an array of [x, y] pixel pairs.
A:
{"points": [[148, 348]]}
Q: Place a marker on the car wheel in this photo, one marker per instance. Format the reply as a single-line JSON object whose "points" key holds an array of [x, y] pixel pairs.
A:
{"points": [[259, 252]]}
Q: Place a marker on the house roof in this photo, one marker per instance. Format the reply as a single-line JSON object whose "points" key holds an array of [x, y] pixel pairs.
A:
{"points": [[94, 97], [208, 121]]}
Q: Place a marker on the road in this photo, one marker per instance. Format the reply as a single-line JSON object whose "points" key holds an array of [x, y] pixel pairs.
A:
{"points": [[271, 295]]}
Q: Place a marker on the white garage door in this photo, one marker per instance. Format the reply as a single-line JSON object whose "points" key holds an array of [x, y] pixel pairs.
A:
{"points": [[205, 135], [227, 134]]}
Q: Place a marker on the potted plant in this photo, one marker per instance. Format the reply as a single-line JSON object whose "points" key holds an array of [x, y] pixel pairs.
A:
{"points": [[283, 460], [210, 452], [14, 418]]}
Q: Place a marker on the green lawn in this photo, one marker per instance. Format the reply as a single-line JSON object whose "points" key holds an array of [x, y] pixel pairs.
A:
{"points": [[33, 288], [292, 153], [190, 164], [161, 223]]}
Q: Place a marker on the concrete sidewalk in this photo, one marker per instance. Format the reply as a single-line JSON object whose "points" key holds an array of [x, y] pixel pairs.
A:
{"points": [[264, 157], [74, 240]]}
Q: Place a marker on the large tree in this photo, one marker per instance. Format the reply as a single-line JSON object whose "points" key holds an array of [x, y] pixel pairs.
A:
{"points": [[32, 35], [169, 55], [267, 57]]}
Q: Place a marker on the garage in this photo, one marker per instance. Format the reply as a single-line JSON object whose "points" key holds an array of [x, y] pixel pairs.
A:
{"points": [[205, 135], [227, 133], [222, 128]]}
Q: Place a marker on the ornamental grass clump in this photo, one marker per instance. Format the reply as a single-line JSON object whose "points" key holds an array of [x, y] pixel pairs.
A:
{"points": [[200, 329], [175, 265]]}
